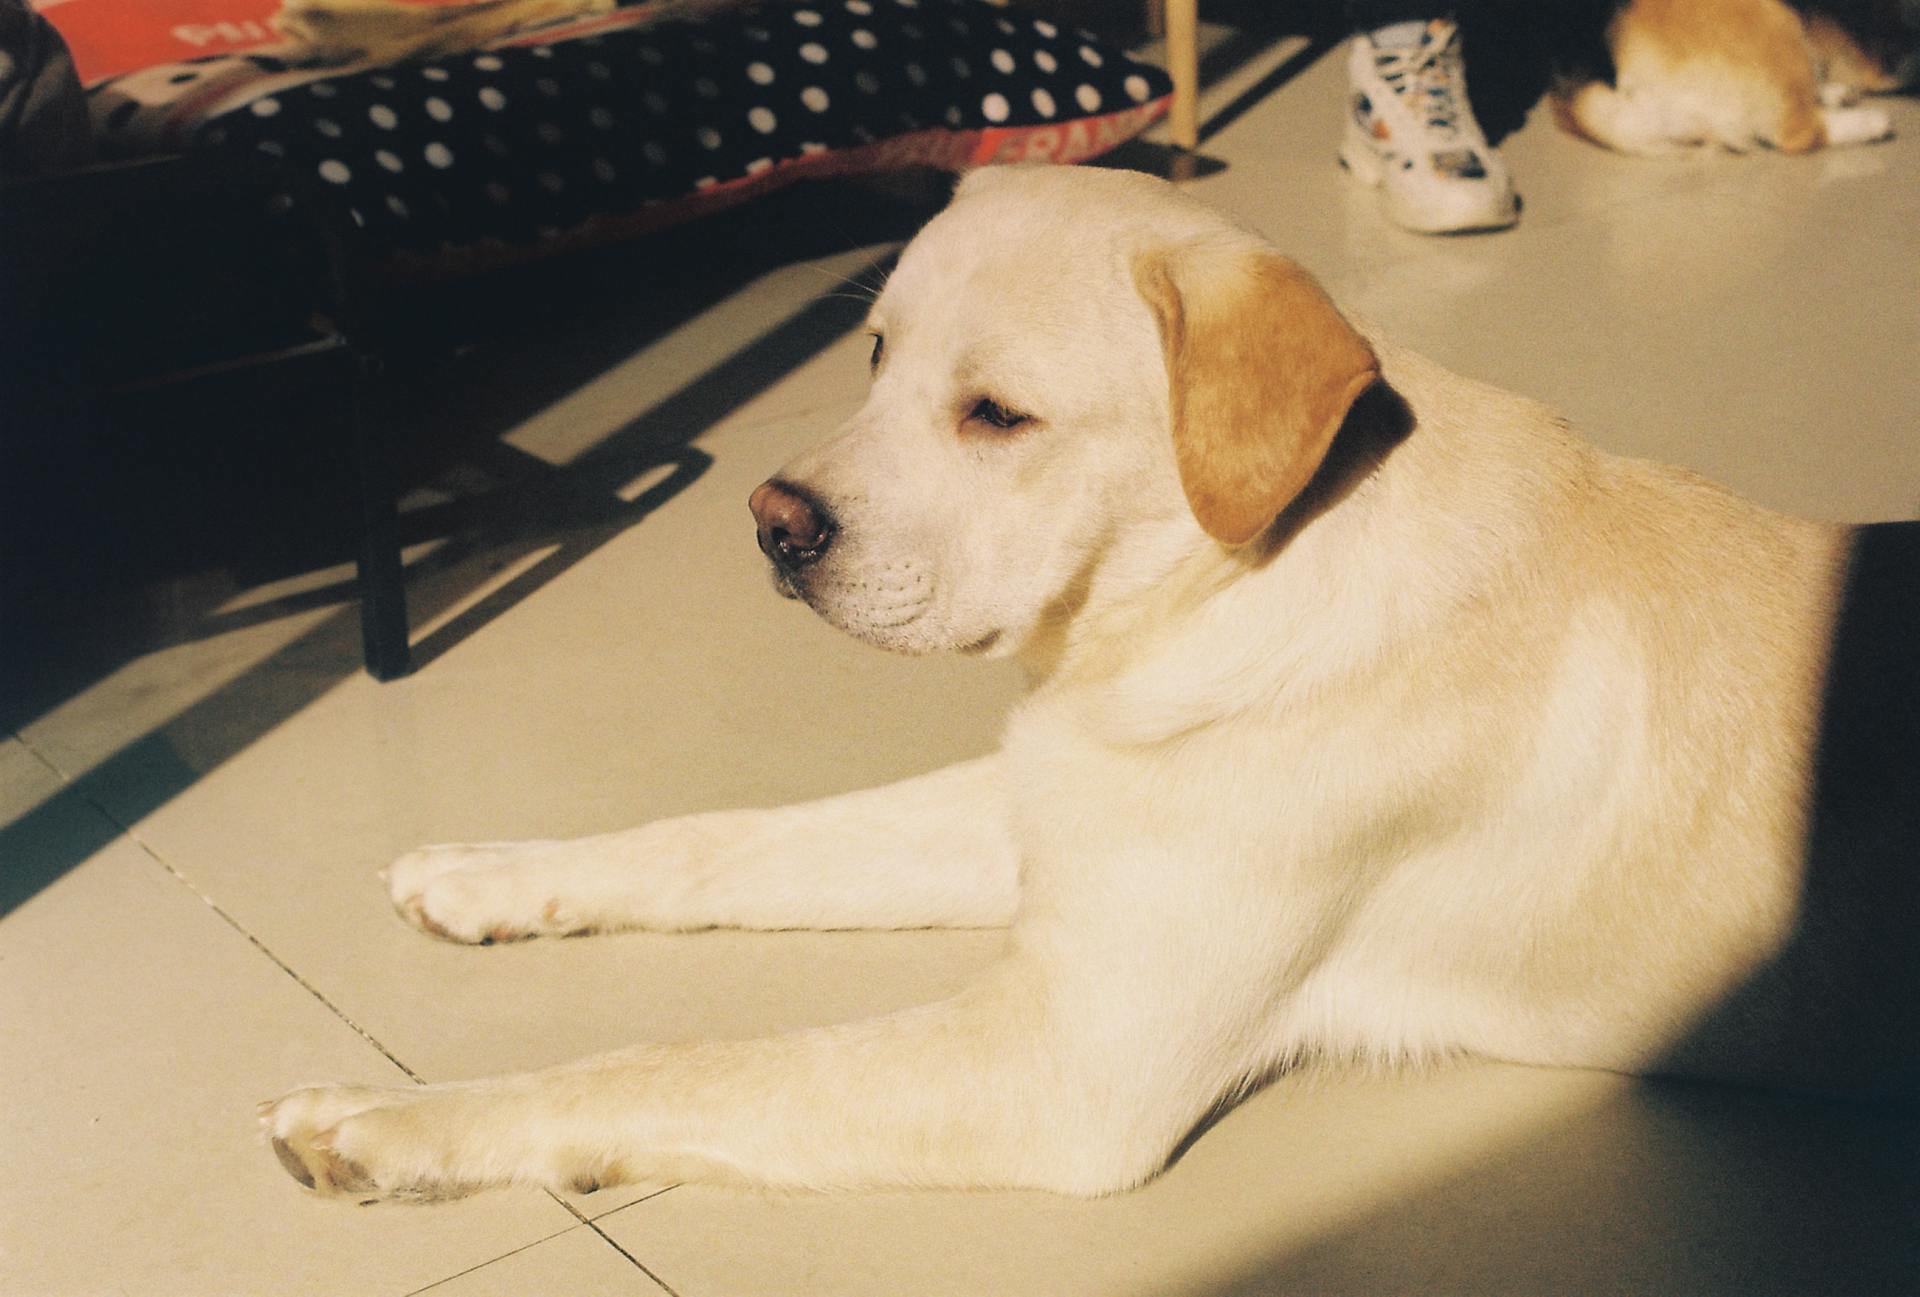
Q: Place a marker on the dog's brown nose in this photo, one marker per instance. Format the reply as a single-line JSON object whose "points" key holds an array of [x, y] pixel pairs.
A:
{"points": [[794, 530]]}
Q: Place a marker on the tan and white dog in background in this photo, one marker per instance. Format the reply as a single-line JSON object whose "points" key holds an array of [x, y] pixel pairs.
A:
{"points": [[1741, 74], [1373, 717]]}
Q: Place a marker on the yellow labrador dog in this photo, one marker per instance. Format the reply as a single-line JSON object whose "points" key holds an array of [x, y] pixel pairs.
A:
{"points": [[1374, 717]]}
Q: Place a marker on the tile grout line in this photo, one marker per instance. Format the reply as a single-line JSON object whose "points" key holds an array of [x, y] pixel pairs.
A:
{"points": [[490, 1260], [608, 1239], [154, 854], [148, 849], [65, 779]]}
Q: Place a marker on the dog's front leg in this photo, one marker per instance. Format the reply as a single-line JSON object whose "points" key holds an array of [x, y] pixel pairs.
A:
{"points": [[990, 1088], [928, 852]]}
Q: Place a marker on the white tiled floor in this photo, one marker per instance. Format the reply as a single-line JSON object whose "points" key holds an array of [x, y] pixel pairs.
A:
{"points": [[210, 817]]}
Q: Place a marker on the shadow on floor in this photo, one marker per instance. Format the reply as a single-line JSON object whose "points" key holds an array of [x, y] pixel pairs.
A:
{"points": [[142, 526], [1668, 1190], [139, 527]]}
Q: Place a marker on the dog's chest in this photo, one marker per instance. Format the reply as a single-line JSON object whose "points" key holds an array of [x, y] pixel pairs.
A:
{"points": [[1256, 806]]}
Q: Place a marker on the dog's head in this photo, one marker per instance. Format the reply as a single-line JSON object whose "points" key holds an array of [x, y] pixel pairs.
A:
{"points": [[1078, 376]]}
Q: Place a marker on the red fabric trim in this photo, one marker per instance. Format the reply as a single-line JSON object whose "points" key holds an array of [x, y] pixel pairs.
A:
{"points": [[109, 37], [986, 142]]}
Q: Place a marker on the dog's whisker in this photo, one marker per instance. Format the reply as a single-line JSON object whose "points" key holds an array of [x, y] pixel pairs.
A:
{"points": [[853, 288]]}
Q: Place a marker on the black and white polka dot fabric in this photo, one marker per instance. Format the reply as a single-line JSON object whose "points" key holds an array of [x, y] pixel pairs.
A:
{"points": [[599, 127]]}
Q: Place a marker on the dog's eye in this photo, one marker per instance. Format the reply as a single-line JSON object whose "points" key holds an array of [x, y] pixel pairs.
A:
{"points": [[991, 412], [879, 345]]}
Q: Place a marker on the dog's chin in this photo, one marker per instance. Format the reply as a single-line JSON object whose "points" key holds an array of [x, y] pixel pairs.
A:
{"points": [[918, 639], [783, 584], [915, 632]]}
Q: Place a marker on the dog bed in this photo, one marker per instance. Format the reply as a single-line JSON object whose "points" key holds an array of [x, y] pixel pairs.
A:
{"points": [[614, 123]]}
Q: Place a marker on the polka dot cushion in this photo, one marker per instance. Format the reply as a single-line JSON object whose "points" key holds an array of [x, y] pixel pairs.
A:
{"points": [[614, 125]]}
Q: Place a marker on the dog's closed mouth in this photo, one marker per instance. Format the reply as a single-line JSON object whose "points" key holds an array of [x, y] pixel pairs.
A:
{"points": [[783, 582]]}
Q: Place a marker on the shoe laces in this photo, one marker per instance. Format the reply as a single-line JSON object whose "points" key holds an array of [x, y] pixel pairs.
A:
{"points": [[1433, 72]]}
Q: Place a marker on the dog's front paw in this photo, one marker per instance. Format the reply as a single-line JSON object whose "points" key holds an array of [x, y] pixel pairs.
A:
{"points": [[479, 893], [363, 1143], [1857, 125], [304, 1128]]}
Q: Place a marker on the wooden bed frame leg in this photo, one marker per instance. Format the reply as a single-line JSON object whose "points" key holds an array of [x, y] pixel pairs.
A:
{"points": [[1182, 18], [383, 594]]}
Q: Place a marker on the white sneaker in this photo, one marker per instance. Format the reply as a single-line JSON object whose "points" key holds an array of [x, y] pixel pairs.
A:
{"points": [[1411, 133]]}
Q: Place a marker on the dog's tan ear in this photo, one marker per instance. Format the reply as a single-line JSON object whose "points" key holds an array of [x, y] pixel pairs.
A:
{"points": [[1262, 369]]}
